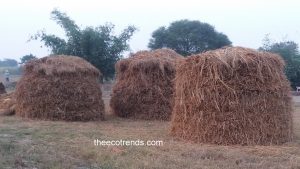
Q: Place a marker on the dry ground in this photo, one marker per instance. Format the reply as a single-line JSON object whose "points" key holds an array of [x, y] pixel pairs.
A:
{"points": [[61, 145]]}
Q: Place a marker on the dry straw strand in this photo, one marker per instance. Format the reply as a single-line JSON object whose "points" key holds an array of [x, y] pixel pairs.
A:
{"points": [[60, 88], [7, 104], [144, 85], [232, 95]]}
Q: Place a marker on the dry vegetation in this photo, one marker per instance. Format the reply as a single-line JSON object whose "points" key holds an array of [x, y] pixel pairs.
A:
{"points": [[60, 88], [37, 144], [7, 104], [144, 85], [232, 95], [60, 145]]}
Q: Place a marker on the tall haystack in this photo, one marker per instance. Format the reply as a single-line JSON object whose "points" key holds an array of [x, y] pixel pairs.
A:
{"points": [[60, 88], [2, 88], [144, 85], [233, 95]]}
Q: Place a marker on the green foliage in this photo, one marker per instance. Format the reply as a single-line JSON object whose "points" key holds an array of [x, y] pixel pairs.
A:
{"points": [[188, 37], [97, 45], [289, 51], [27, 58], [8, 63]]}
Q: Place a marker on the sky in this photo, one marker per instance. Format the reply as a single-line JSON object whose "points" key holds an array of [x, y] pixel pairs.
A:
{"points": [[245, 22]]}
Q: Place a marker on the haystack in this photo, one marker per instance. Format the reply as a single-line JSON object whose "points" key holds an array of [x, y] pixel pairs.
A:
{"points": [[233, 95], [60, 88], [2, 88], [144, 87], [7, 104]]}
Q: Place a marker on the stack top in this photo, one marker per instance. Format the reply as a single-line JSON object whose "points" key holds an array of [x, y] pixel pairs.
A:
{"points": [[234, 56], [59, 65], [145, 60]]}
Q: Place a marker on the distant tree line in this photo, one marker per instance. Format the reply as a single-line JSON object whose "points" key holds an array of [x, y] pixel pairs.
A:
{"points": [[14, 63], [8, 63], [102, 48]]}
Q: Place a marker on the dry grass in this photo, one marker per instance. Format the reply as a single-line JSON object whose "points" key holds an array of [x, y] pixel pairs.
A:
{"points": [[7, 104], [55, 145], [231, 96], [59, 88], [144, 85], [296, 118]]}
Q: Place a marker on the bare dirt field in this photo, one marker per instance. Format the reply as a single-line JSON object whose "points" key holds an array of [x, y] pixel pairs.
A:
{"points": [[33, 144]]}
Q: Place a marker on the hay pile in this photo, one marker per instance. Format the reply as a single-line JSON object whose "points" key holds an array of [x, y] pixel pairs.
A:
{"points": [[2, 88], [60, 88], [144, 87], [233, 95], [7, 104]]}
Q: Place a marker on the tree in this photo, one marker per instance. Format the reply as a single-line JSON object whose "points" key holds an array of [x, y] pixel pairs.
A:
{"points": [[188, 37], [97, 45], [8, 63], [27, 58], [289, 51]]}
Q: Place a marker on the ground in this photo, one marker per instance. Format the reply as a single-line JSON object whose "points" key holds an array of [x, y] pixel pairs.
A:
{"points": [[56, 145], [38, 144]]}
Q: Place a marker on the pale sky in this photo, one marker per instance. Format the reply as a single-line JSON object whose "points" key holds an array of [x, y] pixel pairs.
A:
{"points": [[245, 22]]}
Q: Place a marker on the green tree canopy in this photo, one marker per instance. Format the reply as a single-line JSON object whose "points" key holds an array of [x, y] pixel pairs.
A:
{"points": [[27, 58], [97, 45], [188, 37], [8, 63], [289, 51]]}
